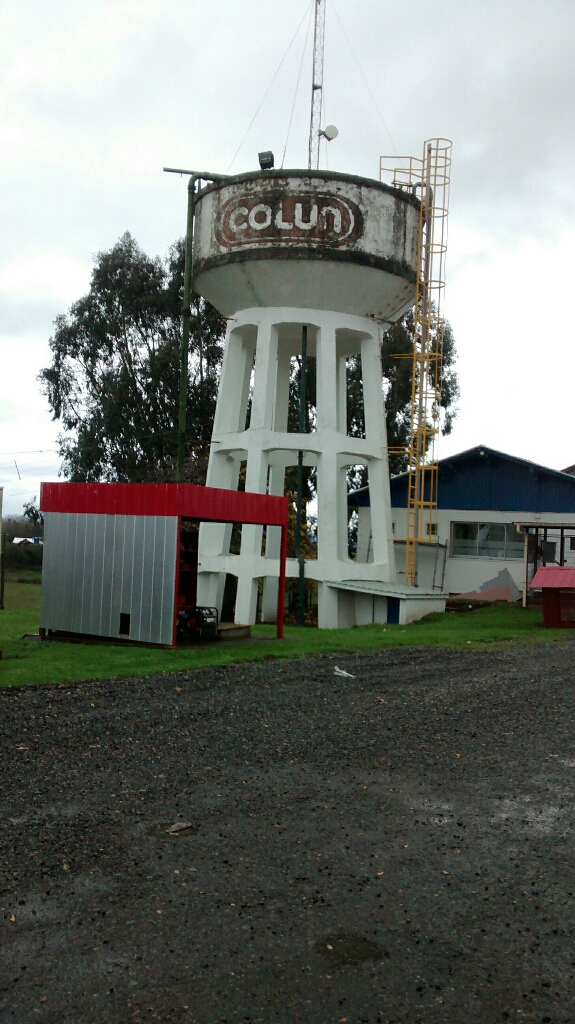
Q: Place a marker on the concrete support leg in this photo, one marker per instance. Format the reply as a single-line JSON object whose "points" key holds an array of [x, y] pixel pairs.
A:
{"points": [[273, 543], [327, 617], [246, 600], [379, 491], [223, 471], [262, 418], [215, 538], [364, 539], [233, 392], [211, 590], [380, 513]]}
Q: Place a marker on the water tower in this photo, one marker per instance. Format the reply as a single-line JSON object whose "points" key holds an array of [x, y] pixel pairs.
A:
{"points": [[283, 255]]}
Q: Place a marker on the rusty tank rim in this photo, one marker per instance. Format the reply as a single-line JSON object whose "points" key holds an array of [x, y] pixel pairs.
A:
{"points": [[326, 176]]}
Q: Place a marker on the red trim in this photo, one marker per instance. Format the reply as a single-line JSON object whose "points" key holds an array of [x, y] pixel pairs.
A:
{"points": [[282, 584], [213, 504]]}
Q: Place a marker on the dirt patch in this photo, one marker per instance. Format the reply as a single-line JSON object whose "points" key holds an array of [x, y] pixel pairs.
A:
{"points": [[417, 819]]}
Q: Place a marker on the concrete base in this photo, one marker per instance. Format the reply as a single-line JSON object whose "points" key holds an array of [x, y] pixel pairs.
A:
{"points": [[233, 631], [361, 603]]}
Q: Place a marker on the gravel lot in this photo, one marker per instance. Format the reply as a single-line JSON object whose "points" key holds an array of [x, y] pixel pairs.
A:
{"points": [[394, 847]]}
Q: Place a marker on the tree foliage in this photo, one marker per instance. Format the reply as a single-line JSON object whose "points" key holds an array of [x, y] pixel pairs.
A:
{"points": [[114, 377], [397, 348], [33, 514]]}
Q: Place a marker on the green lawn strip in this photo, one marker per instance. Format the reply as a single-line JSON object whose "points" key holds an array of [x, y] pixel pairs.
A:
{"points": [[26, 662]]}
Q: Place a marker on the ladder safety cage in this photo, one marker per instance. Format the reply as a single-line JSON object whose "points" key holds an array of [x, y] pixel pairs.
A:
{"points": [[428, 178]]}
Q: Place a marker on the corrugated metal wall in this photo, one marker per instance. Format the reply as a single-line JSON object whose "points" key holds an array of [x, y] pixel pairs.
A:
{"points": [[97, 567]]}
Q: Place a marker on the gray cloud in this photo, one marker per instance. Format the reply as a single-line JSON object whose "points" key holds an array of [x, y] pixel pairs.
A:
{"points": [[96, 97]]}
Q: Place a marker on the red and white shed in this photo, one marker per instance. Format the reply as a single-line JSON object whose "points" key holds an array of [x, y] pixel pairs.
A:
{"points": [[121, 560]]}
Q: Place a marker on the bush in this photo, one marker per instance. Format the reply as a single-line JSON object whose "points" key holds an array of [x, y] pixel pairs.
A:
{"points": [[23, 556]]}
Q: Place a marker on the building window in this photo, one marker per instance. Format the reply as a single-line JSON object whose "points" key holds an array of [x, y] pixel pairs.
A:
{"points": [[572, 543], [432, 529], [486, 540]]}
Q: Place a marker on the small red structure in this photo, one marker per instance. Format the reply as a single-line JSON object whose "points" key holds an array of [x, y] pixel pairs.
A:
{"points": [[557, 585], [121, 560]]}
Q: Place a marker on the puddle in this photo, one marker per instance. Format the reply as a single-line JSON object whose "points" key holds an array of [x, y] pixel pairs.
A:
{"points": [[171, 829], [348, 949]]}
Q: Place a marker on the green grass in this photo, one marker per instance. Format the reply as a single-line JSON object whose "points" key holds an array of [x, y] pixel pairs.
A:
{"points": [[28, 661]]}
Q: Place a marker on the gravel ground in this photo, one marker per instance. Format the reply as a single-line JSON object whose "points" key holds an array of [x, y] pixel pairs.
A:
{"points": [[393, 847]]}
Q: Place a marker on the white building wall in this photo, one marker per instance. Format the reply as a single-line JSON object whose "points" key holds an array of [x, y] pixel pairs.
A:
{"points": [[464, 573]]}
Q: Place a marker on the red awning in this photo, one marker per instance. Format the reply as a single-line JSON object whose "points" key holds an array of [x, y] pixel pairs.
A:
{"points": [[554, 577], [191, 500]]}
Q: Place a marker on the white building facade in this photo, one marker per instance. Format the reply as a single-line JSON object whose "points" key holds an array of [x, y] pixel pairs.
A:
{"points": [[485, 499]]}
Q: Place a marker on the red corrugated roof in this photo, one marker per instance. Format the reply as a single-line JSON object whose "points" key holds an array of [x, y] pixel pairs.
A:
{"points": [[197, 502], [554, 577]]}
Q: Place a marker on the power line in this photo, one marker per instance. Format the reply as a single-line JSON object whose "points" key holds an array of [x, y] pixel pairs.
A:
{"points": [[363, 76], [34, 451], [276, 73], [296, 88]]}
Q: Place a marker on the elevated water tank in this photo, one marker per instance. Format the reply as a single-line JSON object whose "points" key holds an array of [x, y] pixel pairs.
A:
{"points": [[312, 239]]}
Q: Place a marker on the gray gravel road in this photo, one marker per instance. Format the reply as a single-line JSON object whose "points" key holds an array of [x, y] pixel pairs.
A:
{"points": [[394, 847]]}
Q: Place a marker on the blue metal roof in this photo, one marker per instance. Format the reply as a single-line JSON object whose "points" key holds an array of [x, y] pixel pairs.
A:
{"points": [[487, 480]]}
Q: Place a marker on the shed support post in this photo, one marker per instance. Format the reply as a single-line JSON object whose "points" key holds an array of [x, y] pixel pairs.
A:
{"points": [[525, 566], [282, 585]]}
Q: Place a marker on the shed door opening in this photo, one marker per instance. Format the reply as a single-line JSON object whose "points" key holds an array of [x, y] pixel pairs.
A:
{"points": [[192, 623], [188, 565]]}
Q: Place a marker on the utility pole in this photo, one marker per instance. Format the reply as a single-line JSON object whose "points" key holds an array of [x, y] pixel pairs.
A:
{"points": [[315, 132], [187, 310], [299, 497]]}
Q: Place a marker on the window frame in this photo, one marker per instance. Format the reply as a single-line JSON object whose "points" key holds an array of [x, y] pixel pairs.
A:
{"points": [[478, 524]]}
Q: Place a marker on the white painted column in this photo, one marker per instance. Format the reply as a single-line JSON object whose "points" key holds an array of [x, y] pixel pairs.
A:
{"points": [[223, 469], [364, 545], [273, 544], [276, 482], [341, 394], [327, 607], [327, 375], [378, 469], [262, 416], [331, 489], [327, 417], [233, 392], [214, 538]]}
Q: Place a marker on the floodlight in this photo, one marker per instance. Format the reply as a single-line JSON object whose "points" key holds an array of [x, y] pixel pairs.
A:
{"points": [[266, 160]]}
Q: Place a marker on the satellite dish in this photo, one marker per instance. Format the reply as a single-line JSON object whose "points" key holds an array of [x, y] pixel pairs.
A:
{"points": [[330, 132]]}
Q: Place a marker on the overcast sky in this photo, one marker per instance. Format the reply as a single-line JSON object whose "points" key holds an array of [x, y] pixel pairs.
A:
{"points": [[98, 95]]}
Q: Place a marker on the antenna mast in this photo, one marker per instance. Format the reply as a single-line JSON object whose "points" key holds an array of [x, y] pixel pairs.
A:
{"points": [[316, 85]]}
